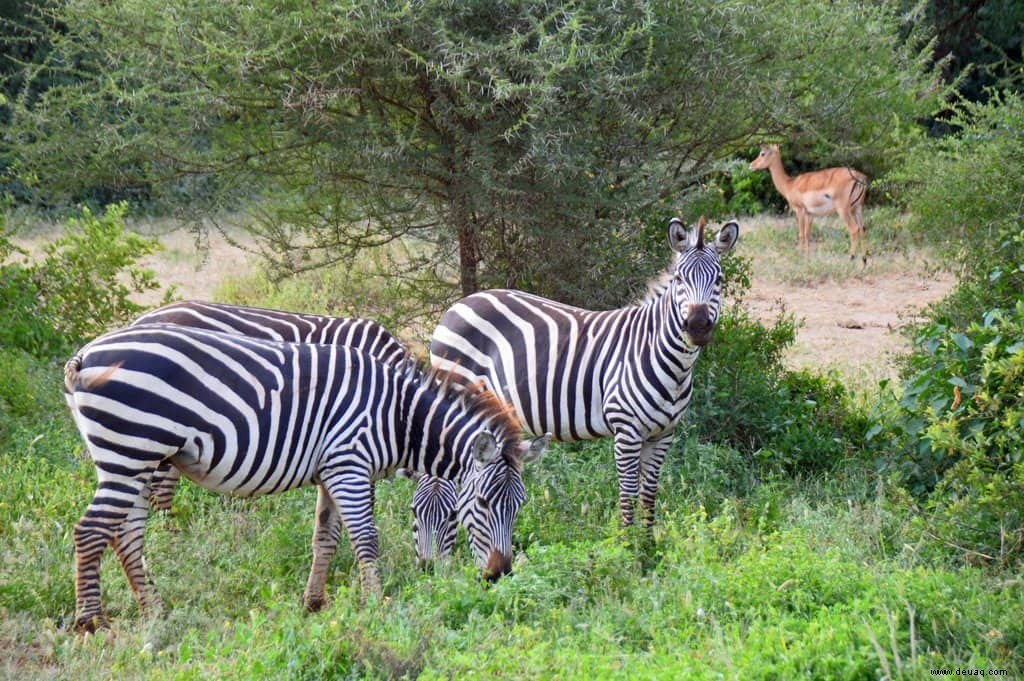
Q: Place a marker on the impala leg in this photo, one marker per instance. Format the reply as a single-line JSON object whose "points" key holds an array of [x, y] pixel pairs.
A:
{"points": [[352, 494], [852, 228], [326, 533], [858, 216]]}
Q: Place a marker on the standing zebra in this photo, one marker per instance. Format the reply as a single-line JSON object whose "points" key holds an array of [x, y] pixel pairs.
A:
{"points": [[251, 417], [433, 506], [581, 375]]}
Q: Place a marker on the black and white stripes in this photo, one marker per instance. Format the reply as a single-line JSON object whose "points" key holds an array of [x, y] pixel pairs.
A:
{"points": [[580, 374], [251, 417]]}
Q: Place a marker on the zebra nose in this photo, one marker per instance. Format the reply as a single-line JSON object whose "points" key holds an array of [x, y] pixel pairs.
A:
{"points": [[426, 564], [498, 564], [699, 325]]}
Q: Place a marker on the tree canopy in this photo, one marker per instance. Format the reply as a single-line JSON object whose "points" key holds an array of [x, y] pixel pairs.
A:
{"points": [[540, 145]]}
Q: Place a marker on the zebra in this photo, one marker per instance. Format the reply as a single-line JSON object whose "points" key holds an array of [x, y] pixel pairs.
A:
{"points": [[580, 374], [433, 502], [434, 524], [248, 416]]}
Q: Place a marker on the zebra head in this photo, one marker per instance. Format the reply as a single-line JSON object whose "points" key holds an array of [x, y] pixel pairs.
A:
{"points": [[490, 499], [696, 283], [433, 517]]}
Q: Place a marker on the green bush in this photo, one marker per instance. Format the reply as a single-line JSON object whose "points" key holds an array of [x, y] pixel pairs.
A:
{"points": [[79, 289], [743, 397], [960, 428]]}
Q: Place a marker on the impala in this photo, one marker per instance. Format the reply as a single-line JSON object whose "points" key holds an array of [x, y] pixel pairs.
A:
{"points": [[820, 192]]}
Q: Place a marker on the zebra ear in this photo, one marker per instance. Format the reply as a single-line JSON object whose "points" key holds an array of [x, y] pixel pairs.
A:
{"points": [[727, 237], [678, 235], [485, 448], [536, 448]]}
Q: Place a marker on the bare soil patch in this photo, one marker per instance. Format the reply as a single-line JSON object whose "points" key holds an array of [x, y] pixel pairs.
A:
{"points": [[851, 316]]}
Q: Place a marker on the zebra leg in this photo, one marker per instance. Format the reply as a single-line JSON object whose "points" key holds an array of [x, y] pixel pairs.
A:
{"points": [[352, 493], [161, 487], [651, 459], [112, 503], [326, 532], [127, 545], [627, 466]]}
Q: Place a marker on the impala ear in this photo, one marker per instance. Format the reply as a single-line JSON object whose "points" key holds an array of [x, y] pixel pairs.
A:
{"points": [[536, 448], [678, 235], [727, 237], [485, 448]]}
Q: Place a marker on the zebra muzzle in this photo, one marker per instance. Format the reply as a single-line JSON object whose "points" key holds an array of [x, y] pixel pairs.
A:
{"points": [[698, 325], [498, 564]]}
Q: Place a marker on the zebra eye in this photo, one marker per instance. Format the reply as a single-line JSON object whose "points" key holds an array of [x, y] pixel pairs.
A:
{"points": [[480, 502]]}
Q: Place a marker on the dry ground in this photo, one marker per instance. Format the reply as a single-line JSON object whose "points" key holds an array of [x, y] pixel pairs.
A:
{"points": [[851, 314]]}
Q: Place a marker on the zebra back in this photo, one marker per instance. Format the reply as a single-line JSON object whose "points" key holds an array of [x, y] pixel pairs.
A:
{"points": [[279, 325]]}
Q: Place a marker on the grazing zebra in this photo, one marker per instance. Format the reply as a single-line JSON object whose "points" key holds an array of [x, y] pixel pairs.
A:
{"points": [[250, 417], [434, 524], [433, 506], [277, 325], [580, 374]]}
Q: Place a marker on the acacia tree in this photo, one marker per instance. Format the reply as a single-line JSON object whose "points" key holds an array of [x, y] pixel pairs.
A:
{"points": [[527, 141]]}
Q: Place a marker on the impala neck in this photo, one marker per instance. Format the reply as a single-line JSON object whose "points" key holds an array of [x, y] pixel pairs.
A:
{"points": [[779, 177]]}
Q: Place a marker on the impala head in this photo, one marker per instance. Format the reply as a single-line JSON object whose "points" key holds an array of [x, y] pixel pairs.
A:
{"points": [[491, 497], [434, 523], [696, 283], [765, 156]]}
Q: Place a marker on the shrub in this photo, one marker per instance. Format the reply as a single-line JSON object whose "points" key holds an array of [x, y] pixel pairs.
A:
{"points": [[744, 398], [960, 428], [80, 288]]}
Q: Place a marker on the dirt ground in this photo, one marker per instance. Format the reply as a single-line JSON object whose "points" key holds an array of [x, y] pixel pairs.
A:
{"points": [[852, 323]]}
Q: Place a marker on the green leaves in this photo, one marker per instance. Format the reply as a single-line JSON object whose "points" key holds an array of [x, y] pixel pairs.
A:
{"points": [[82, 285]]}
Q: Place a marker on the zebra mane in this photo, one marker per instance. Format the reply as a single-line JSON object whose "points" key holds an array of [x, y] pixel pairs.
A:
{"points": [[477, 400]]}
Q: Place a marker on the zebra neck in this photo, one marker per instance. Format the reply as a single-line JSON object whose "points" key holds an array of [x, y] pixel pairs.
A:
{"points": [[432, 431]]}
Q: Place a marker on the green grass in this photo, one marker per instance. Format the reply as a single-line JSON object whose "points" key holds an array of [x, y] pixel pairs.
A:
{"points": [[816, 577]]}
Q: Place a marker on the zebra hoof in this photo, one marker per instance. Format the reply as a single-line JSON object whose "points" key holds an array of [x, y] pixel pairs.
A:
{"points": [[90, 625], [314, 604]]}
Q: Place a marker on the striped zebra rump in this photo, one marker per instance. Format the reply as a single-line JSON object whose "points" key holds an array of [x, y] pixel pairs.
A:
{"points": [[277, 325], [582, 374], [247, 416]]}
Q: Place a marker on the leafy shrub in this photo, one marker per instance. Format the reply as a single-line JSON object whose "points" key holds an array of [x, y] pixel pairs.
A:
{"points": [[80, 288], [956, 428], [961, 431], [744, 398]]}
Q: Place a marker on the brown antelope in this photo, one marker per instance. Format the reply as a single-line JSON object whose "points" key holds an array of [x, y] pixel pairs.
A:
{"points": [[820, 192]]}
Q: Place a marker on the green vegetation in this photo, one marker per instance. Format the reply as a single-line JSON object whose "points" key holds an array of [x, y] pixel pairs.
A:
{"points": [[80, 288], [393, 154], [779, 553]]}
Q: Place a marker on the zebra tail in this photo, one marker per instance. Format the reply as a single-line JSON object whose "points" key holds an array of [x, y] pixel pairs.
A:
{"points": [[73, 380], [71, 368]]}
